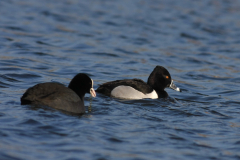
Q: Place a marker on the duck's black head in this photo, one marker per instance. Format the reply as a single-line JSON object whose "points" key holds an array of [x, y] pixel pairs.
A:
{"points": [[82, 84], [160, 78]]}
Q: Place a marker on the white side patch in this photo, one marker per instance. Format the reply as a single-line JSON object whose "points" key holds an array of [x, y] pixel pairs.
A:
{"points": [[127, 92]]}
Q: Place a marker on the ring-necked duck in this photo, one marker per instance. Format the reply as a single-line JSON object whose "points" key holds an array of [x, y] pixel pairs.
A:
{"points": [[55, 95], [158, 80]]}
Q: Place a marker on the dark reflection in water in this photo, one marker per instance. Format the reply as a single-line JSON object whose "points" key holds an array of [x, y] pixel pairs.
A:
{"points": [[197, 41]]}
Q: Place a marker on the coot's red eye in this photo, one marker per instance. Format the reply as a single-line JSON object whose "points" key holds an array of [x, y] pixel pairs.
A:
{"points": [[167, 77]]}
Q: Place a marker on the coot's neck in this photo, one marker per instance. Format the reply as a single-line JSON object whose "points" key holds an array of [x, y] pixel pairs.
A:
{"points": [[82, 98], [78, 91], [81, 95], [162, 93]]}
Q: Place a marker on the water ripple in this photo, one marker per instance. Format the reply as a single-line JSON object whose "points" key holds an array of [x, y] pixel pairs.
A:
{"points": [[197, 41]]}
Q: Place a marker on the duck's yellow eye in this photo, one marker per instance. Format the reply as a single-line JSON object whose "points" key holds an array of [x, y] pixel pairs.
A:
{"points": [[167, 77]]}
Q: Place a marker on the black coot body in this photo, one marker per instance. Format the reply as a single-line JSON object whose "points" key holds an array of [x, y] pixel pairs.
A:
{"points": [[55, 95], [158, 80]]}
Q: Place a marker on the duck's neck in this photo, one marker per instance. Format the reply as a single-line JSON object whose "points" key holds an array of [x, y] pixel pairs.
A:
{"points": [[162, 93]]}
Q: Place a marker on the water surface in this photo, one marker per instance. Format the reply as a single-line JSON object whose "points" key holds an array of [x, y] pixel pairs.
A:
{"points": [[197, 41]]}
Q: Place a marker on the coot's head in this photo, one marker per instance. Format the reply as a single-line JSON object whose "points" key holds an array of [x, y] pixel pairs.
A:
{"points": [[82, 84], [160, 78]]}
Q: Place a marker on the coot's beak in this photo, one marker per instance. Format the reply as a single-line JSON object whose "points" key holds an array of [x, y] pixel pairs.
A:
{"points": [[92, 92], [172, 86]]}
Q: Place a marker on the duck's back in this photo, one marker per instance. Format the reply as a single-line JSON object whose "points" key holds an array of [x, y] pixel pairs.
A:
{"points": [[54, 95], [125, 86]]}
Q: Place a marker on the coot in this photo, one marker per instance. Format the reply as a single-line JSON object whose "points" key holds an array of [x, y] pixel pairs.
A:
{"points": [[56, 95]]}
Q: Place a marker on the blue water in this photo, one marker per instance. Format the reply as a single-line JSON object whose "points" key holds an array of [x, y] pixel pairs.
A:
{"points": [[48, 40]]}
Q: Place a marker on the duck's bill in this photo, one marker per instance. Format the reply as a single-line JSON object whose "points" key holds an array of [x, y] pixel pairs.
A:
{"points": [[173, 86], [92, 92]]}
